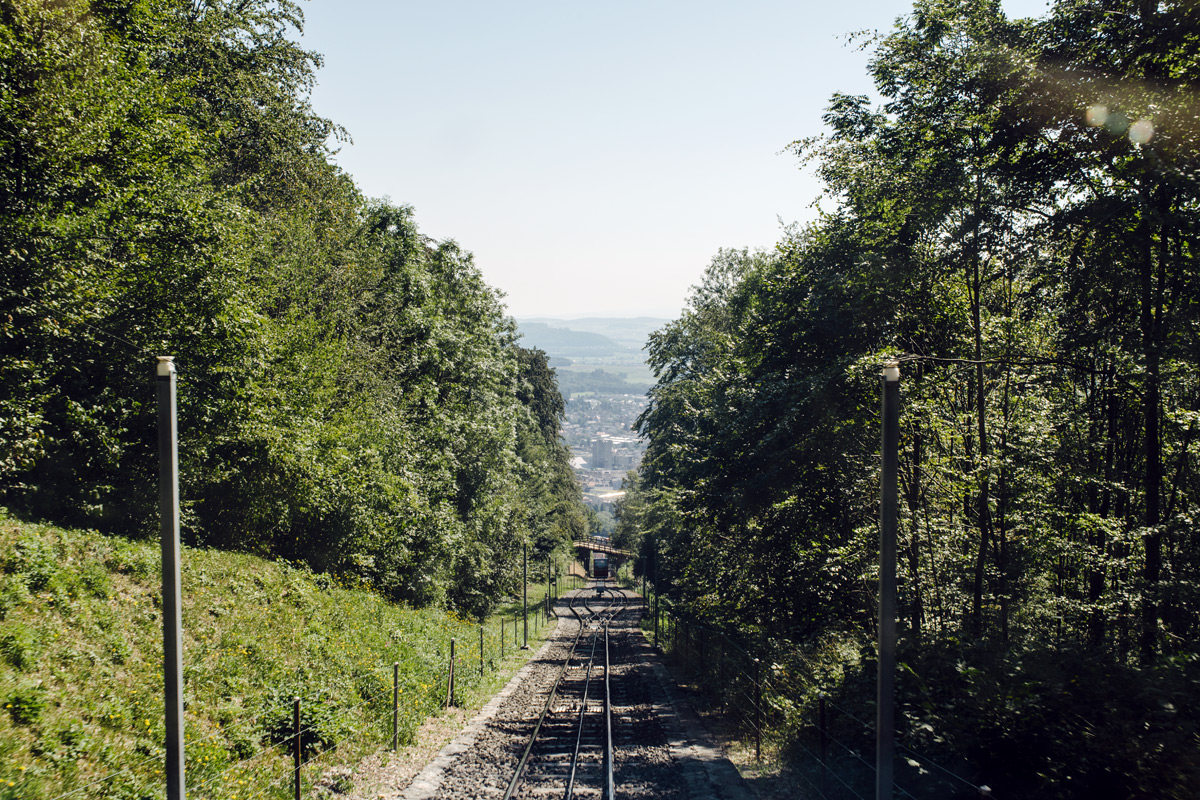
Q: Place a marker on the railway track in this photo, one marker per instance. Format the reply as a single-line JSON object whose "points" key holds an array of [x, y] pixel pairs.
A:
{"points": [[558, 732], [569, 753]]}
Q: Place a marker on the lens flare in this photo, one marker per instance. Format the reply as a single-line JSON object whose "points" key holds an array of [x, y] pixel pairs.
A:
{"points": [[1096, 115], [1141, 131]]}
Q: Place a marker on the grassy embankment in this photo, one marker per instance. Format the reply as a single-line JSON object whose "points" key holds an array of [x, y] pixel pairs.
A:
{"points": [[81, 675]]}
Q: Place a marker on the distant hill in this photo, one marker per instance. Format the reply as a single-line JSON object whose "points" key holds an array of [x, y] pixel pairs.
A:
{"points": [[628, 332], [573, 382], [565, 342]]}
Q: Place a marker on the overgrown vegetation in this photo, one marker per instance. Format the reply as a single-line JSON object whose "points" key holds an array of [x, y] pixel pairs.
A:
{"points": [[351, 393], [81, 669], [1016, 225]]}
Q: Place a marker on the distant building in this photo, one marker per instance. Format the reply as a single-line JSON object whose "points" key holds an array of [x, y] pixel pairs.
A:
{"points": [[602, 454]]}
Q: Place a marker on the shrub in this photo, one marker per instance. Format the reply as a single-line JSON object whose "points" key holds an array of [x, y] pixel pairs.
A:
{"points": [[139, 561], [25, 705], [13, 592], [319, 720], [94, 580], [17, 647], [34, 560]]}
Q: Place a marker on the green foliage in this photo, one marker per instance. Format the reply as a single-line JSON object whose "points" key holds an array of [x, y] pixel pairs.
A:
{"points": [[573, 382], [26, 704], [81, 682], [350, 392], [32, 561], [18, 647], [1001, 228], [321, 724]]}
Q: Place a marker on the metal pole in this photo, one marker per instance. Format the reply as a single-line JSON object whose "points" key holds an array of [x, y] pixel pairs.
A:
{"points": [[395, 704], [821, 726], [657, 613], [525, 589], [481, 651], [502, 638], [721, 675], [168, 513], [450, 678], [757, 710], [296, 752], [888, 512]]}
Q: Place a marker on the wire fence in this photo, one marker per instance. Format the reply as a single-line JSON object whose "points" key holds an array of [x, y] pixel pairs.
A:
{"points": [[780, 703], [295, 748]]}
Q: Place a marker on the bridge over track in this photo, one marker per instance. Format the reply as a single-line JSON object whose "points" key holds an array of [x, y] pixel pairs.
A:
{"points": [[601, 546], [588, 549]]}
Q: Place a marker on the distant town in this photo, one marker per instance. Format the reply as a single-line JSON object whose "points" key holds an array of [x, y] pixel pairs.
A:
{"points": [[603, 376]]}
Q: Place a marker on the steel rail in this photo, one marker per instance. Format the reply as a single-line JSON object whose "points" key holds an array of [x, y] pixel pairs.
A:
{"points": [[613, 609], [579, 724], [520, 771], [609, 784]]}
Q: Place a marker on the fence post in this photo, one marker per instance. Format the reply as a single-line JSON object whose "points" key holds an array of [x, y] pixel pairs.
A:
{"points": [[757, 710], [502, 638], [525, 589], [450, 678], [657, 614], [481, 650], [687, 641], [824, 748], [296, 752], [721, 675], [395, 704], [172, 601]]}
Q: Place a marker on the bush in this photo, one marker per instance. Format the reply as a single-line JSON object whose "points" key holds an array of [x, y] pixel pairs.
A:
{"points": [[33, 560], [94, 580], [139, 561], [25, 705], [13, 592], [320, 723], [17, 647]]}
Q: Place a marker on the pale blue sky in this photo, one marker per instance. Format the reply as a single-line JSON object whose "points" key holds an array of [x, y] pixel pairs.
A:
{"points": [[593, 156]]}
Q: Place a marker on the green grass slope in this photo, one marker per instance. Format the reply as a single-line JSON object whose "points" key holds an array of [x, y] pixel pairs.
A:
{"points": [[81, 674]]}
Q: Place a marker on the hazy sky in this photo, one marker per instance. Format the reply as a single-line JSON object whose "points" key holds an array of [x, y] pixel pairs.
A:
{"points": [[593, 156]]}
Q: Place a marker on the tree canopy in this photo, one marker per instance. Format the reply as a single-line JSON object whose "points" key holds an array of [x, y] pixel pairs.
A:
{"points": [[1016, 224], [351, 392]]}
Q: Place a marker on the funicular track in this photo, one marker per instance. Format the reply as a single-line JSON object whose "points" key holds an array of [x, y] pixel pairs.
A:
{"points": [[574, 724], [569, 753]]}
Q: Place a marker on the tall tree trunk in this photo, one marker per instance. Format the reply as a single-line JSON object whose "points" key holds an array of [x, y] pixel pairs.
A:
{"points": [[1152, 538], [1097, 623], [1002, 509], [982, 500]]}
